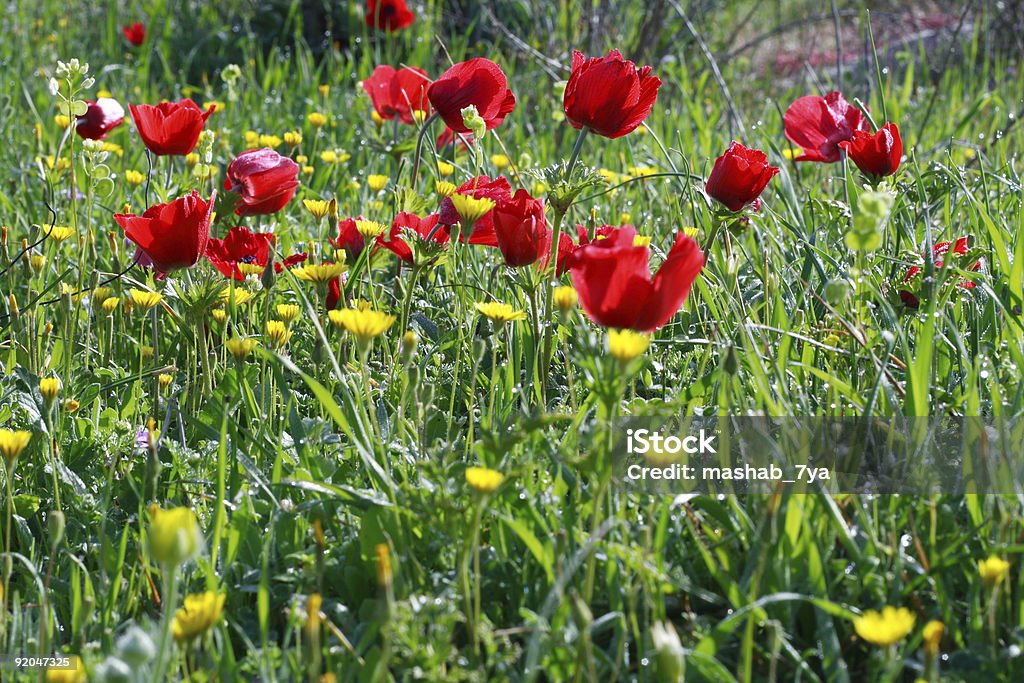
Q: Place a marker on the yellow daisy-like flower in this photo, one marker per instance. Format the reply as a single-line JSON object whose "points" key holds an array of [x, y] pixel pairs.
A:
{"points": [[419, 116], [324, 89], [200, 613], [500, 161], [884, 628], [241, 296], [445, 188], [538, 189], [308, 170], [174, 535], [498, 312], [36, 262], [288, 312], [626, 345], [113, 148], [110, 304], [317, 207], [134, 178], [377, 182], [250, 268], [145, 300], [49, 387], [625, 217], [691, 232], [63, 121], [75, 675], [59, 233], [642, 171], [445, 169], [483, 479], [609, 176], [370, 229], [278, 333], [220, 315], [218, 106], [641, 240], [71, 405], [252, 138], [240, 348], [471, 209], [565, 298], [293, 138], [321, 273], [377, 119], [271, 141], [164, 380], [101, 294], [12, 443], [363, 324], [993, 570], [791, 153], [385, 574], [191, 159], [931, 635], [316, 119]]}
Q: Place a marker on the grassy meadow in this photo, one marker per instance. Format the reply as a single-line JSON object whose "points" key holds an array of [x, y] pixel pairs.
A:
{"points": [[226, 482]]}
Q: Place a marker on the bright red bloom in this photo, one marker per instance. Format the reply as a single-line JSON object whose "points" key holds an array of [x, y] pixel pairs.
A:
{"points": [[877, 154], [478, 82], [479, 187], [609, 95], [398, 92], [521, 229], [265, 181], [173, 235], [614, 282], [170, 127], [349, 238], [960, 248], [388, 15], [242, 246], [135, 33], [739, 176], [333, 293], [101, 117], [819, 124], [405, 222]]}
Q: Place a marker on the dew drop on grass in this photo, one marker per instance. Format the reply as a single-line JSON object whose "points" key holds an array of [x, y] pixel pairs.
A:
{"points": [[984, 374], [645, 662], [905, 540]]}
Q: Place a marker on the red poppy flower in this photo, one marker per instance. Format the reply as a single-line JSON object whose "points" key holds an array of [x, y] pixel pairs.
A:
{"points": [[333, 293], [877, 154], [101, 117], [521, 229], [265, 181], [135, 33], [398, 92], [739, 176], [960, 248], [461, 141], [388, 15], [170, 128], [173, 235], [819, 124], [289, 261], [405, 222], [479, 187], [478, 82], [349, 238], [614, 282], [609, 95]]}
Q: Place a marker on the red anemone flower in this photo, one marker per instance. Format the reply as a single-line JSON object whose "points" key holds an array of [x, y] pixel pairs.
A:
{"points": [[876, 155], [349, 238], [960, 248], [398, 92], [614, 282], [819, 124], [609, 95], [478, 82], [521, 229], [172, 235], [243, 252], [100, 117], [265, 181], [409, 222], [479, 187], [739, 176], [170, 128], [135, 33], [388, 15]]}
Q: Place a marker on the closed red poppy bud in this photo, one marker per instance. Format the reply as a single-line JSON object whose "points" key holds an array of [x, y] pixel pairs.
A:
{"points": [[100, 117], [521, 229], [170, 128], [398, 92], [609, 95], [478, 82], [333, 293], [265, 181], [819, 124], [405, 222], [876, 155], [480, 187], [739, 176], [388, 15], [173, 235], [615, 286], [135, 33]]}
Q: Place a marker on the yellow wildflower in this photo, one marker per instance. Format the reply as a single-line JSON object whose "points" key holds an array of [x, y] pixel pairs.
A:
{"points": [[483, 479], [884, 628]]}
